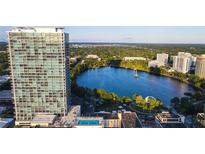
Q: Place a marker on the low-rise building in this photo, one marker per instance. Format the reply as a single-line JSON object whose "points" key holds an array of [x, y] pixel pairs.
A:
{"points": [[41, 120], [111, 120], [166, 117], [154, 63], [148, 121], [134, 58], [168, 120], [73, 59], [6, 122], [93, 57]]}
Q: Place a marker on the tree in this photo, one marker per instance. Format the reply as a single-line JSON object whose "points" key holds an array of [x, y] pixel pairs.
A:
{"points": [[127, 100], [175, 101], [114, 97], [139, 99], [134, 97]]}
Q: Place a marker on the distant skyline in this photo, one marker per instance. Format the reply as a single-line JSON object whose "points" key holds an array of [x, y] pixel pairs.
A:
{"points": [[130, 34]]}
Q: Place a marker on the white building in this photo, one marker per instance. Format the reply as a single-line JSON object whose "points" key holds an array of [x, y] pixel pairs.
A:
{"points": [[73, 59], [200, 66], [134, 58], [166, 117], [162, 58], [93, 57], [182, 62]]}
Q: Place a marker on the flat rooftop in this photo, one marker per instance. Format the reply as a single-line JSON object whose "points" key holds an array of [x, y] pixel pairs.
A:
{"points": [[38, 29], [107, 115], [129, 120], [167, 115], [44, 118]]}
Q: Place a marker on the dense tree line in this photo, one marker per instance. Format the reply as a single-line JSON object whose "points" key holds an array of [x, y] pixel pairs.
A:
{"points": [[189, 105], [147, 51]]}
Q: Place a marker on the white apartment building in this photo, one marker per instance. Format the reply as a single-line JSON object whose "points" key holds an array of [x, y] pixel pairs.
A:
{"points": [[182, 62], [162, 58], [166, 117]]}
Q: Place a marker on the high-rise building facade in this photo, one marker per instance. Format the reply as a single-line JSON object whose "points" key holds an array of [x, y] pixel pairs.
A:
{"points": [[40, 71], [182, 62], [162, 58], [200, 66]]}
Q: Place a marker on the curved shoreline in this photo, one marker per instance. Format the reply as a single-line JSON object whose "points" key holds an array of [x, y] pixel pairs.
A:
{"points": [[164, 75]]}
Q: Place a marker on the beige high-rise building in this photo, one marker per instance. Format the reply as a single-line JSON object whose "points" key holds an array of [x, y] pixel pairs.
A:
{"points": [[200, 66]]}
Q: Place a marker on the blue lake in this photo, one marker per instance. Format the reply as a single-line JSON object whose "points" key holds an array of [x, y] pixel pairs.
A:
{"points": [[122, 82]]}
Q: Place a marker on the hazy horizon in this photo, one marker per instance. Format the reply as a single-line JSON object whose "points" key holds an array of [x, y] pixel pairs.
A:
{"points": [[130, 34]]}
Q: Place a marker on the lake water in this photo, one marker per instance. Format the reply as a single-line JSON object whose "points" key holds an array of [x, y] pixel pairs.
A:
{"points": [[122, 82]]}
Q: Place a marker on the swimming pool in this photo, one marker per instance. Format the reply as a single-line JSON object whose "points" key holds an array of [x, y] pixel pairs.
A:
{"points": [[88, 122]]}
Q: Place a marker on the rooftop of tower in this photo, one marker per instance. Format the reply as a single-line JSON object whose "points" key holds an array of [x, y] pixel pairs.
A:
{"points": [[38, 29]]}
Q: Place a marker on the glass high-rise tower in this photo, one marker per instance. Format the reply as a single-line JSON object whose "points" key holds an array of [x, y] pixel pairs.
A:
{"points": [[39, 60]]}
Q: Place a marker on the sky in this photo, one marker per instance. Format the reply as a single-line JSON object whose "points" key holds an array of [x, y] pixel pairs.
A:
{"points": [[130, 34]]}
